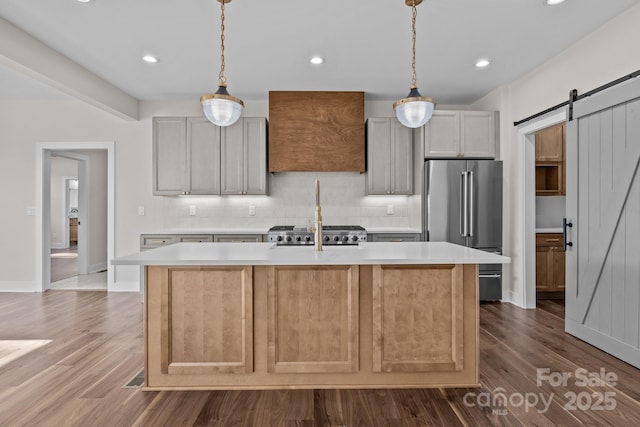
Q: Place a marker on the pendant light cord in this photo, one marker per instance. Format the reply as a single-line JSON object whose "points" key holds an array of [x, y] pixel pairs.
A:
{"points": [[222, 80], [414, 13]]}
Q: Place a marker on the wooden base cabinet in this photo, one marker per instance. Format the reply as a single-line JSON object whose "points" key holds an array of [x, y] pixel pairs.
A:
{"points": [[316, 326], [313, 318], [199, 321], [550, 263], [417, 318]]}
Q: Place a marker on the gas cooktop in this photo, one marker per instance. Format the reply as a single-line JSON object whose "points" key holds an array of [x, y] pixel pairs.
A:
{"points": [[290, 235]]}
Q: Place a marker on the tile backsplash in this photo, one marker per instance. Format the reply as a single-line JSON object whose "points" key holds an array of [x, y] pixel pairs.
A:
{"points": [[291, 201]]}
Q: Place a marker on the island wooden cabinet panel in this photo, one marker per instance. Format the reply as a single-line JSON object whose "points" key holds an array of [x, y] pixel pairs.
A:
{"points": [[204, 324], [417, 318], [313, 319], [310, 326]]}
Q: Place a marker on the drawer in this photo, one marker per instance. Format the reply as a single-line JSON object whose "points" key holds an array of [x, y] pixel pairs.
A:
{"points": [[237, 238], [150, 241], [549, 239], [194, 238], [393, 237]]}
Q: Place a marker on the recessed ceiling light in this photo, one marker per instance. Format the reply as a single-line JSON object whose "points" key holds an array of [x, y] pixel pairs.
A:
{"points": [[482, 63], [554, 2], [316, 60], [150, 59], [84, 1]]}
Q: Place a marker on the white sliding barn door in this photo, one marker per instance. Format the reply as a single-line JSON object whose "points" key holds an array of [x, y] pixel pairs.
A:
{"points": [[603, 203]]}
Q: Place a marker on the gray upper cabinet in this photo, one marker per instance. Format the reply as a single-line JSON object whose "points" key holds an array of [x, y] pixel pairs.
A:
{"points": [[389, 157], [186, 156], [203, 154], [454, 134], [169, 155], [192, 156], [244, 157]]}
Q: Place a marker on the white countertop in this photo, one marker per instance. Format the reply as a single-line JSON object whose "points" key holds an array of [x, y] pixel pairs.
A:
{"points": [[208, 231], [270, 254], [549, 230], [266, 230], [400, 230]]}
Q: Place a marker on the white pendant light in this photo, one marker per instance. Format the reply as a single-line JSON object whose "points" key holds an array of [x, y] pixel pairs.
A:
{"points": [[220, 108], [415, 110]]}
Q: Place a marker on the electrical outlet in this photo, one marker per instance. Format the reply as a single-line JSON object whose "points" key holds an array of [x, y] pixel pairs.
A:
{"points": [[252, 210], [141, 210], [389, 209], [192, 210], [31, 211]]}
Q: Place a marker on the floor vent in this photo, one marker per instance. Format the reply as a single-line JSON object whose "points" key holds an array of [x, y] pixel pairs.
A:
{"points": [[136, 382]]}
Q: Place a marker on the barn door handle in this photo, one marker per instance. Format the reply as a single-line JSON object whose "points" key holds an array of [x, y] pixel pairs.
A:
{"points": [[566, 225]]}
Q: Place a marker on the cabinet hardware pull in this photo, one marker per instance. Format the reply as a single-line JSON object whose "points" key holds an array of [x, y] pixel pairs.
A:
{"points": [[553, 240]]}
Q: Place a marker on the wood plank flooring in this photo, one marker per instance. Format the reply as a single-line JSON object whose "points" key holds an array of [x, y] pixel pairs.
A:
{"points": [[96, 348], [64, 263]]}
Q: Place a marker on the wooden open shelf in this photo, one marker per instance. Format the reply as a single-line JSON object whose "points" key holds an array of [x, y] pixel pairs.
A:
{"points": [[549, 179]]}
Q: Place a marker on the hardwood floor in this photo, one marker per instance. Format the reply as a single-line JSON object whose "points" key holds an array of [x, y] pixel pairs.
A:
{"points": [[64, 263], [96, 348]]}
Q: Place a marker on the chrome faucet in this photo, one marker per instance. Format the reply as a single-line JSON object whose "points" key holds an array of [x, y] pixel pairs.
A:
{"points": [[317, 228]]}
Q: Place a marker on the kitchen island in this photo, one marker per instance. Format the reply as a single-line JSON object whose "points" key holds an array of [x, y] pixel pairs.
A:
{"points": [[257, 315]]}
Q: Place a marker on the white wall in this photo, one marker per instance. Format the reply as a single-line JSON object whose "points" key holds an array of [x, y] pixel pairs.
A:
{"points": [[606, 54]]}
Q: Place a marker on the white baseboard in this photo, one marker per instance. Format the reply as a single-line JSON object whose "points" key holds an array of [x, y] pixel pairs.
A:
{"points": [[94, 268], [122, 286], [17, 286]]}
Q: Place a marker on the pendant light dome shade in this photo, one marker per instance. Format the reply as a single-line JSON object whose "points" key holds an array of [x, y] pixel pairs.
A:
{"points": [[220, 108], [415, 110]]}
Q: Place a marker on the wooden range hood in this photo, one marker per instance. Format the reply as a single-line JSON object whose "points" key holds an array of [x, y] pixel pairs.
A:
{"points": [[316, 131]]}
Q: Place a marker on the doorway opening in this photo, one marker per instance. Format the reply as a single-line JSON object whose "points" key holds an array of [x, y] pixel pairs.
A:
{"points": [[64, 221], [527, 205], [94, 216]]}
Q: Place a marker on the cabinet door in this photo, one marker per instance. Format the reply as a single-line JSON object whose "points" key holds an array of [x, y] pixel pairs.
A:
{"points": [[203, 153], [237, 238], [477, 134], [442, 135], [169, 156], [378, 156], [557, 259], [232, 159], [393, 237], [550, 144], [542, 269], [244, 157], [401, 159], [255, 165]]}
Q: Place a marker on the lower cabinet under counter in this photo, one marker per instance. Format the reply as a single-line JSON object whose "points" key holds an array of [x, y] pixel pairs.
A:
{"points": [[322, 326]]}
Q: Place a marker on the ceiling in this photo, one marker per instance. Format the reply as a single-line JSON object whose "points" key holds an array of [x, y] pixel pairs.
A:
{"points": [[366, 44]]}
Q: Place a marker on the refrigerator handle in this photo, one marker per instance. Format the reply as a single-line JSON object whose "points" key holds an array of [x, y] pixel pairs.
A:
{"points": [[464, 197], [471, 201]]}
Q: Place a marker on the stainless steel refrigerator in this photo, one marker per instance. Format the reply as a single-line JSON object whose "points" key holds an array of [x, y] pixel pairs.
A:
{"points": [[462, 204]]}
